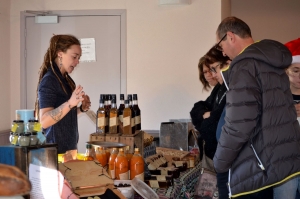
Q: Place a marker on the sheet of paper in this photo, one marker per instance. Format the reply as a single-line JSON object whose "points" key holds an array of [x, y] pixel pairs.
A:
{"points": [[88, 48], [46, 183]]}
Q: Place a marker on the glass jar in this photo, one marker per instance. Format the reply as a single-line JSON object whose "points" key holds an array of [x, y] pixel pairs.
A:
{"points": [[17, 126], [32, 126], [24, 139], [33, 138], [11, 137]]}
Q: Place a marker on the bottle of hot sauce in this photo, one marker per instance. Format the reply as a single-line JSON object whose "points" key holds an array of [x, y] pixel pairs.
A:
{"points": [[101, 156], [121, 166], [137, 165], [111, 163]]}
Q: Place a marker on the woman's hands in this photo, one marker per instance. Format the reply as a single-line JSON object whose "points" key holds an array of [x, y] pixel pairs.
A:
{"points": [[86, 103], [77, 96], [206, 115]]}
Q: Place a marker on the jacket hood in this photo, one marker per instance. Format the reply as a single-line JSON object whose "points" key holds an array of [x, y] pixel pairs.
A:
{"points": [[271, 52]]}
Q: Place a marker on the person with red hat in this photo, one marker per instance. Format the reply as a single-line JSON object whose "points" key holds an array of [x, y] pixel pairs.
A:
{"points": [[291, 188]]}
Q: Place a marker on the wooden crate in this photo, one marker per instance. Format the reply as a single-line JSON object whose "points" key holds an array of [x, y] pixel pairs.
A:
{"points": [[112, 138], [97, 137], [134, 141]]}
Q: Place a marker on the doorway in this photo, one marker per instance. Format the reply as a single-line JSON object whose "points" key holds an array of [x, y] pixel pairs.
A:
{"points": [[104, 75]]}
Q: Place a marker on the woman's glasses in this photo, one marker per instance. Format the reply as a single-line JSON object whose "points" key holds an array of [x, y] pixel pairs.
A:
{"points": [[213, 68]]}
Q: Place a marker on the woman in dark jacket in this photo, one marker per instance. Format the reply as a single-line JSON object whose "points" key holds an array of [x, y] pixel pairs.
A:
{"points": [[205, 114]]}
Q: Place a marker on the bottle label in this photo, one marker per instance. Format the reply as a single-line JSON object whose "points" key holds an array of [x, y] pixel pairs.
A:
{"points": [[37, 127], [154, 183], [113, 174], [132, 122], [126, 121], [137, 119], [121, 118], [164, 172], [15, 140], [140, 176], [160, 178], [112, 121], [101, 121], [124, 176], [14, 128]]}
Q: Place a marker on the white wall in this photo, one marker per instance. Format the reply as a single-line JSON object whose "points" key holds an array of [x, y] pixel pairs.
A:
{"points": [[5, 94], [269, 19], [164, 44]]}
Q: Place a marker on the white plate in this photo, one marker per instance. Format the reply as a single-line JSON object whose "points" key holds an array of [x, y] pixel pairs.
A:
{"points": [[143, 189]]}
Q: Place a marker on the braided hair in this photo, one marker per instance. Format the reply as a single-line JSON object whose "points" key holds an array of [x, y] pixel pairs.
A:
{"points": [[57, 43]]}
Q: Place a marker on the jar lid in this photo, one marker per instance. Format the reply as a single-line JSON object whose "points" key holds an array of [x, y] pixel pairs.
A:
{"points": [[33, 133], [21, 134], [31, 120], [27, 134], [19, 121]]}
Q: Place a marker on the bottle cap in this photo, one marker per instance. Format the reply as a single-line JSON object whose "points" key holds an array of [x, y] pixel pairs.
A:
{"points": [[121, 149], [126, 101], [136, 149], [109, 96], [88, 146], [121, 96], [129, 97], [135, 97]]}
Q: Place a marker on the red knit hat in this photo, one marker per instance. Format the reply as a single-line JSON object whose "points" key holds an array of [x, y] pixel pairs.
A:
{"points": [[294, 47]]}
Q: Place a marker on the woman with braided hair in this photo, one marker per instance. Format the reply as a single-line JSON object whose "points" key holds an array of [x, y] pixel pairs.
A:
{"points": [[57, 95]]}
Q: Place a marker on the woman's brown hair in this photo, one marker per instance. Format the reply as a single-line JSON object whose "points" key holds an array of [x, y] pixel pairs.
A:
{"points": [[57, 43], [202, 79]]}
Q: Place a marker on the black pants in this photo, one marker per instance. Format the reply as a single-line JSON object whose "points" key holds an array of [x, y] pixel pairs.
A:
{"points": [[222, 179]]}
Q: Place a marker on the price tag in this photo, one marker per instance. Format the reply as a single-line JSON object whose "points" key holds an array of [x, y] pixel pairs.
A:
{"points": [[37, 127], [14, 128], [15, 139]]}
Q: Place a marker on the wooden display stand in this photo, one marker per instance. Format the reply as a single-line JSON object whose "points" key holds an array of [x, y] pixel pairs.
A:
{"points": [[133, 141]]}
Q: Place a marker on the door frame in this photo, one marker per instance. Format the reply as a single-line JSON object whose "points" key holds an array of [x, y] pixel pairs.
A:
{"points": [[70, 13]]}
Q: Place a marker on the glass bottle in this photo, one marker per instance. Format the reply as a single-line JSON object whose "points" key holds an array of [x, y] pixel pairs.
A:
{"points": [[126, 119], [137, 165], [101, 156], [113, 118], [111, 163], [120, 113], [106, 107], [128, 154], [88, 153], [132, 122], [100, 122], [121, 166], [137, 113]]}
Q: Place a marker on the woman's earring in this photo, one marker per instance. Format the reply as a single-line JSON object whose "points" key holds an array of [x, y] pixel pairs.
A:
{"points": [[60, 62]]}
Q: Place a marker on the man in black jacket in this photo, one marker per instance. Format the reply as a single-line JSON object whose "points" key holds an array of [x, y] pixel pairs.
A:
{"points": [[259, 145]]}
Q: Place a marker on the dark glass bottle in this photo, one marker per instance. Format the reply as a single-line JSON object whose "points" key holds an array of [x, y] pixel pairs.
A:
{"points": [[120, 113], [137, 113], [132, 122], [113, 118], [101, 122], [107, 108], [126, 119]]}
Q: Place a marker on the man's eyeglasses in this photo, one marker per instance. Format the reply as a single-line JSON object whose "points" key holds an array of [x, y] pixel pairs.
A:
{"points": [[213, 69], [217, 46]]}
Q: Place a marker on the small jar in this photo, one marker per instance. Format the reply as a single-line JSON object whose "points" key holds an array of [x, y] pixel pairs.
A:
{"points": [[30, 126], [24, 139], [33, 139], [11, 137], [17, 126]]}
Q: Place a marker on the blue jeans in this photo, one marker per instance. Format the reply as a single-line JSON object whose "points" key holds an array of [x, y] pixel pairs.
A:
{"points": [[288, 190]]}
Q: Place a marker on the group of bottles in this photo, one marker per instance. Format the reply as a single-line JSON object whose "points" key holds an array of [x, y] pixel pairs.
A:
{"points": [[125, 166], [121, 166], [125, 119]]}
